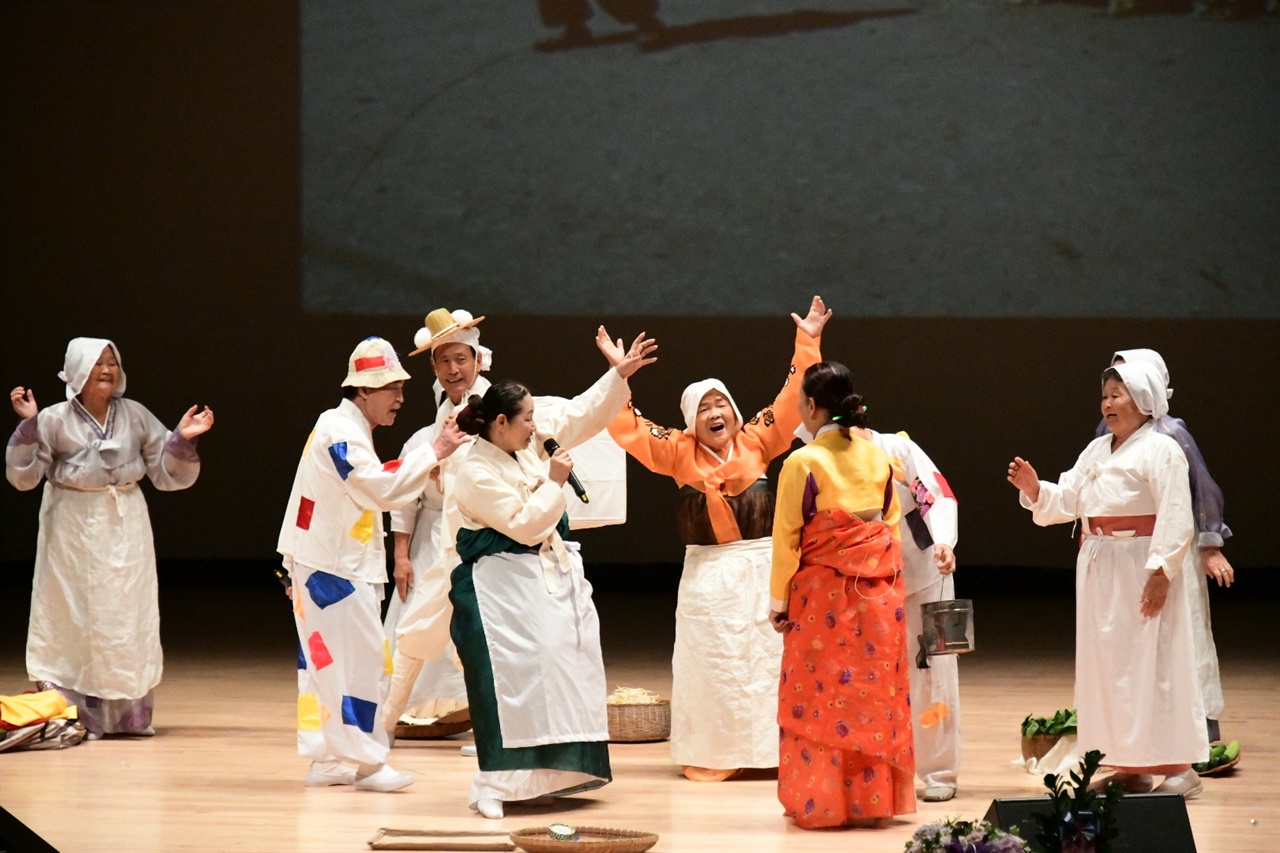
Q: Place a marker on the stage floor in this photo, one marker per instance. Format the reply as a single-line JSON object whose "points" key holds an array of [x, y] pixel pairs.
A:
{"points": [[223, 773]]}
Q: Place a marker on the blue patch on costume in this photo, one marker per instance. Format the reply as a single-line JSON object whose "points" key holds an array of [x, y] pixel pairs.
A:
{"points": [[338, 453], [326, 589], [302, 657], [359, 713]]}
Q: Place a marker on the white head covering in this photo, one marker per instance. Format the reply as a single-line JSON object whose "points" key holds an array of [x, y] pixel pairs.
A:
{"points": [[1145, 387], [373, 363], [693, 395], [1148, 356], [82, 355]]}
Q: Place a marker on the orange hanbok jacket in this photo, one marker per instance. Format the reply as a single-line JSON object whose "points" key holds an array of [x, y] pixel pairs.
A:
{"points": [[679, 455]]}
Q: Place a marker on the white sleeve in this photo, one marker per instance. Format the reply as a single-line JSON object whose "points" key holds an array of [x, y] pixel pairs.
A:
{"points": [[1057, 501], [931, 493], [1175, 522], [405, 519], [575, 421], [485, 497]]}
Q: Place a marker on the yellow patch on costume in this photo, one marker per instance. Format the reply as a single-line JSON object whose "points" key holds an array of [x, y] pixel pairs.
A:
{"points": [[311, 714], [388, 667], [363, 530], [307, 446], [933, 716]]}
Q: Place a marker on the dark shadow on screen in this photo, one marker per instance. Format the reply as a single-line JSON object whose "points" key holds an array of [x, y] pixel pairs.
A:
{"points": [[1222, 10], [746, 26]]}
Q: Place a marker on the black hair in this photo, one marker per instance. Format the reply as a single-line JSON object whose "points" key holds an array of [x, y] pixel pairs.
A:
{"points": [[350, 392], [502, 398], [1112, 373], [830, 385]]}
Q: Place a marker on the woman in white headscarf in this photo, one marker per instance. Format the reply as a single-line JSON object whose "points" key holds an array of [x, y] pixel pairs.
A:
{"points": [[95, 621], [1136, 689], [727, 657], [1206, 554]]}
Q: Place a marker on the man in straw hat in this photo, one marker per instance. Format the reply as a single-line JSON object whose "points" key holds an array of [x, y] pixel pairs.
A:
{"points": [[427, 686], [331, 544]]}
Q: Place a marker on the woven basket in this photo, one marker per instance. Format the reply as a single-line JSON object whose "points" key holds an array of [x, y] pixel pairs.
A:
{"points": [[591, 839], [1038, 745], [636, 723]]}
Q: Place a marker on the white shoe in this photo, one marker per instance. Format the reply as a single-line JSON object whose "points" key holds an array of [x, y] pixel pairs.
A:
{"points": [[938, 793], [469, 750], [381, 777], [322, 774], [491, 809], [1187, 784]]}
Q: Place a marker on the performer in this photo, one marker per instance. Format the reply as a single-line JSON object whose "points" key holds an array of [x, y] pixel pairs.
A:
{"points": [[523, 620], [331, 545], [1206, 553], [94, 633], [426, 685], [1136, 689], [843, 699], [725, 662], [928, 535]]}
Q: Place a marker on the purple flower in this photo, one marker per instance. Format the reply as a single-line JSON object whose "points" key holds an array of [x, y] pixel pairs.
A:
{"points": [[842, 728], [897, 613], [809, 806], [871, 649], [846, 676], [797, 711], [817, 685], [830, 619], [867, 775]]}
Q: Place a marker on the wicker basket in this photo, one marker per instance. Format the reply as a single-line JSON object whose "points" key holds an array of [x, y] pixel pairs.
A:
{"points": [[1038, 745], [591, 839], [637, 723]]}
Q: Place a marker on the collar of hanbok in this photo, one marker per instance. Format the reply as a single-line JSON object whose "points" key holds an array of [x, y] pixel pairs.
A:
{"points": [[352, 412]]}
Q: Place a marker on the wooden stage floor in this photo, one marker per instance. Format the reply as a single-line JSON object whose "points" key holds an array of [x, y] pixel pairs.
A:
{"points": [[223, 774]]}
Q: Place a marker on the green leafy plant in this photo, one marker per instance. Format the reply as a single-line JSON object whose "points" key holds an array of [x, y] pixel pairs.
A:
{"points": [[1081, 819], [1063, 722]]}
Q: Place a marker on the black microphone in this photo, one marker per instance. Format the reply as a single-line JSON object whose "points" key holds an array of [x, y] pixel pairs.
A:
{"points": [[551, 446]]}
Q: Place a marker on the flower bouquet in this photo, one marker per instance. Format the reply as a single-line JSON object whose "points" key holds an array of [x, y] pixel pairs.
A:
{"points": [[962, 836]]}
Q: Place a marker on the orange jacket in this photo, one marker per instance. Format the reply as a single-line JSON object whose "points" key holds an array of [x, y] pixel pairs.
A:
{"points": [[679, 455]]}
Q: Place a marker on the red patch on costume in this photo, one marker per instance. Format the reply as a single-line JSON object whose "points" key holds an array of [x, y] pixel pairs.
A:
{"points": [[305, 508], [393, 465], [370, 363], [944, 486], [319, 651]]}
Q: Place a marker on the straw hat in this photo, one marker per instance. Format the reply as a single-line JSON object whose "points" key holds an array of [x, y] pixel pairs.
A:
{"points": [[373, 363], [443, 326]]}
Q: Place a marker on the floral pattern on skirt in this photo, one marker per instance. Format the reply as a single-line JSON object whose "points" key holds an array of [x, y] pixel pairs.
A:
{"points": [[844, 710]]}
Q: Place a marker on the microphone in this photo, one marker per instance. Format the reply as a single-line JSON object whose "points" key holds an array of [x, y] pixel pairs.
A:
{"points": [[551, 446]]}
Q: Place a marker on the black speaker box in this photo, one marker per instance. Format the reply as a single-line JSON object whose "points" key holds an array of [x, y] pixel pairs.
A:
{"points": [[1147, 822]]}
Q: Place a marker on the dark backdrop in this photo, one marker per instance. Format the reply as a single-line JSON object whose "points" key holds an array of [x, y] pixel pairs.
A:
{"points": [[151, 195]]}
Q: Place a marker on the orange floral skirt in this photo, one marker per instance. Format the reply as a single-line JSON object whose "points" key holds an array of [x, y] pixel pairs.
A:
{"points": [[844, 709]]}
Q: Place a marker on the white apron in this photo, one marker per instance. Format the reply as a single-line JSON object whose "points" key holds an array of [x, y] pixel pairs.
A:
{"points": [[727, 659], [1131, 704], [548, 673], [95, 615]]}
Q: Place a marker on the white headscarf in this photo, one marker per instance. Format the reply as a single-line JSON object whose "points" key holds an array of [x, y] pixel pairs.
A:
{"points": [[1147, 356], [82, 355], [1146, 387], [693, 395]]}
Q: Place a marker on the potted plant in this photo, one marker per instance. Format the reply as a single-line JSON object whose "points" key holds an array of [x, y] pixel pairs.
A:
{"points": [[962, 836], [1081, 820], [1041, 734]]}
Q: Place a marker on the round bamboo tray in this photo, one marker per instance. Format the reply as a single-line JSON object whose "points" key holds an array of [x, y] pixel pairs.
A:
{"points": [[637, 723], [590, 839]]}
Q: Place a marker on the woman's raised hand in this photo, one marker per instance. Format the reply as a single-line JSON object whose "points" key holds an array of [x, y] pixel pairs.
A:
{"points": [[626, 361], [1024, 477], [24, 402], [195, 423], [818, 316]]}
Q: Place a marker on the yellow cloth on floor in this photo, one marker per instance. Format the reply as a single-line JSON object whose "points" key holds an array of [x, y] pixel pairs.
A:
{"points": [[28, 708]]}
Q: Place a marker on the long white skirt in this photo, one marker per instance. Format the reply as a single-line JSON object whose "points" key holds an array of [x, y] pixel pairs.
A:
{"points": [[727, 659], [1136, 689], [1197, 585], [937, 745], [95, 613]]}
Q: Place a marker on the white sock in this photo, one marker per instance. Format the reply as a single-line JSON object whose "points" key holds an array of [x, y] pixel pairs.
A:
{"points": [[490, 808]]}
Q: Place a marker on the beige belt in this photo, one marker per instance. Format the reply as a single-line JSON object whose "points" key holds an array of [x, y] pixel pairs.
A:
{"points": [[112, 490]]}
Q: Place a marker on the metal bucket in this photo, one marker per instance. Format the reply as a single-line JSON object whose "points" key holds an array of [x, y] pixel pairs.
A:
{"points": [[947, 626]]}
